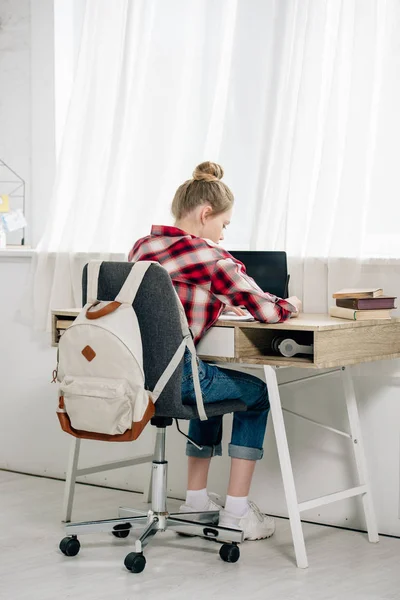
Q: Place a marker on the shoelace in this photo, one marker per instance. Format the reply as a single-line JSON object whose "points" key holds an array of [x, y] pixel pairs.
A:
{"points": [[256, 511]]}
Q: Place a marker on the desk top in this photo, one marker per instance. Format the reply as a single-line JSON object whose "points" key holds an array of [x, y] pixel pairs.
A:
{"points": [[335, 342], [307, 322]]}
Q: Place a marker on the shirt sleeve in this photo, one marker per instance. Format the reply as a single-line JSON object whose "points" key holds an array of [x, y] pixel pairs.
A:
{"points": [[133, 253], [231, 284]]}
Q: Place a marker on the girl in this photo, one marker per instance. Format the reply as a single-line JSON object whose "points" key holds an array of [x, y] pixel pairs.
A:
{"points": [[207, 280]]}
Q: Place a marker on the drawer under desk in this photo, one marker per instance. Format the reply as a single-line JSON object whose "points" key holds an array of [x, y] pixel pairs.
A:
{"points": [[343, 343], [251, 345]]}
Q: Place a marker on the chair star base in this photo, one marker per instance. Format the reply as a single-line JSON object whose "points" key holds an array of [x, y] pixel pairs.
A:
{"points": [[157, 519]]}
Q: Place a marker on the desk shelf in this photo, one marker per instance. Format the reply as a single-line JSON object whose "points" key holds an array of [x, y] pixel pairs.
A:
{"points": [[256, 344], [336, 342], [60, 321]]}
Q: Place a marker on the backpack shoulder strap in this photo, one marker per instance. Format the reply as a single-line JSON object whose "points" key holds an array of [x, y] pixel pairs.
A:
{"points": [[127, 293], [196, 380], [187, 342], [169, 371], [93, 271], [195, 367]]}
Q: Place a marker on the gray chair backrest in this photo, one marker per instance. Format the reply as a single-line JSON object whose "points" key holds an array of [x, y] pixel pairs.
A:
{"points": [[158, 316]]}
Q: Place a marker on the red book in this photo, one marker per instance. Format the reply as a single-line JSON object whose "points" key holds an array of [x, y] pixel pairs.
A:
{"points": [[367, 303]]}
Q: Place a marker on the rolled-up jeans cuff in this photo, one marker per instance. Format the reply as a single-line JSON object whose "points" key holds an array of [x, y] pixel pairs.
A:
{"points": [[245, 452], [207, 452]]}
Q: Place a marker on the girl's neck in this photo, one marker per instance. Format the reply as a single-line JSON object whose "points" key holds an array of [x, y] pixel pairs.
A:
{"points": [[189, 226]]}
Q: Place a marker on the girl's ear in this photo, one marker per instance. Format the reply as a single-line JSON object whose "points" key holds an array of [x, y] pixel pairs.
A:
{"points": [[206, 211]]}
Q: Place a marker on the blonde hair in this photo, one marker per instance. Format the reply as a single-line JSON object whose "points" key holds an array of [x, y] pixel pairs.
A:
{"points": [[204, 188]]}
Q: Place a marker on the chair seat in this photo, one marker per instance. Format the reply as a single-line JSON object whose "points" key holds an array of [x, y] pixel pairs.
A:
{"points": [[187, 412]]}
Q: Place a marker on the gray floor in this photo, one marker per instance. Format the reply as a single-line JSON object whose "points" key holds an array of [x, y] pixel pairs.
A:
{"points": [[343, 565]]}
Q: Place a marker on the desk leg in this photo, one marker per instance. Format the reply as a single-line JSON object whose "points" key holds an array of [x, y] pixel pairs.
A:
{"points": [[71, 479], [286, 467], [358, 447]]}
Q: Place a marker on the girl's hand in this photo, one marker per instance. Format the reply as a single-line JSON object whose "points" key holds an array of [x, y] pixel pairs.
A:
{"points": [[235, 309], [296, 302]]}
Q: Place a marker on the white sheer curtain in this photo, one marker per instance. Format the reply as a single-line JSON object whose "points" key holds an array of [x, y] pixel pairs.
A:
{"points": [[329, 191], [298, 100]]}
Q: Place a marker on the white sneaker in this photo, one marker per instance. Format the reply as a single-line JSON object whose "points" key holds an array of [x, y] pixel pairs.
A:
{"points": [[254, 524]]}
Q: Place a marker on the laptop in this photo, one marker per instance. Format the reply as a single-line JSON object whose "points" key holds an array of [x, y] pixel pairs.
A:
{"points": [[267, 268]]}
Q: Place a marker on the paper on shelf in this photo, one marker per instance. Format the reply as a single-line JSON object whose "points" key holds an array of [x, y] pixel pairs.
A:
{"points": [[13, 220]]}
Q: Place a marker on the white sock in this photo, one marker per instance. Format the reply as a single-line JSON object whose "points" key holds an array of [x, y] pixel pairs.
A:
{"points": [[197, 499], [237, 505]]}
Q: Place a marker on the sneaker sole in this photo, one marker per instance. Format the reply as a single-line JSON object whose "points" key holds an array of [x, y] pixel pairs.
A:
{"points": [[250, 539], [254, 539]]}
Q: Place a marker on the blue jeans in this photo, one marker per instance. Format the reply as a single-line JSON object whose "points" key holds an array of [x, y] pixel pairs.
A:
{"points": [[249, 426]]}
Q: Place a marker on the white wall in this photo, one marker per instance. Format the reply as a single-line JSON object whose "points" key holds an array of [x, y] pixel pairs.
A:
{"points": [[31, 440]]}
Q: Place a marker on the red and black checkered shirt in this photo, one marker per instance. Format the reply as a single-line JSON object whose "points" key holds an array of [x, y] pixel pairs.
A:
{"points": [[206, 278]]}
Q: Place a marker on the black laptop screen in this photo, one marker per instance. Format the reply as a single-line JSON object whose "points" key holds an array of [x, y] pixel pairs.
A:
{"points": [[268, 269]]}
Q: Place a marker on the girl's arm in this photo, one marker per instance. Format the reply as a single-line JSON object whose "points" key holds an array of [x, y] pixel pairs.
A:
{"points": [[231, 284]]}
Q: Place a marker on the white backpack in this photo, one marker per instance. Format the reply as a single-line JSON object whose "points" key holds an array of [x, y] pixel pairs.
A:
{"points": [[102, 391]]}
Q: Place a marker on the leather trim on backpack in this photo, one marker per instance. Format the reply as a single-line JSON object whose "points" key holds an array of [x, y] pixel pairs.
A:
{"points": [[102, 312], [88, 353], [138, 426], [128, 436]]}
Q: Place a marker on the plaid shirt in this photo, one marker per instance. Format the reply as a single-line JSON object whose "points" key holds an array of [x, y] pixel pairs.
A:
{"points": [[206, 278]]}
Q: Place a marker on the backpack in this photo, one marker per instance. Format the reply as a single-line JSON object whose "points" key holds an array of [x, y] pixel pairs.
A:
{"points": [[102, 392]]}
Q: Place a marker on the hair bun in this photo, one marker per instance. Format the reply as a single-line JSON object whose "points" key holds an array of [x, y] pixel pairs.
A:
{"points": [[208, 171]]}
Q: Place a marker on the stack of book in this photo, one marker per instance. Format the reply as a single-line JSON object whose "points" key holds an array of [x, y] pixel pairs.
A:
{"points": [[362, 304]]}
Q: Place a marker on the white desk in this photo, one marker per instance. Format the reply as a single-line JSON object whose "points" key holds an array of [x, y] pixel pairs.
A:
{"points": [[337, 343]]}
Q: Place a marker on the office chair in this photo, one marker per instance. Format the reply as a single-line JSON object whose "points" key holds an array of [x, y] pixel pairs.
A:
{"points": [[157, 311]]}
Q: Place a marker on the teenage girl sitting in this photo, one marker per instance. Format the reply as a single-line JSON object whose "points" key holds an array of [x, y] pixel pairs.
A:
{"points": [[208, 279]]}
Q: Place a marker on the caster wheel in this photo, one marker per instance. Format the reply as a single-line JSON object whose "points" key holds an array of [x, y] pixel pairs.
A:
{"points": [[229, 553], [122, 530], [70, 546], [135, 562]]}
